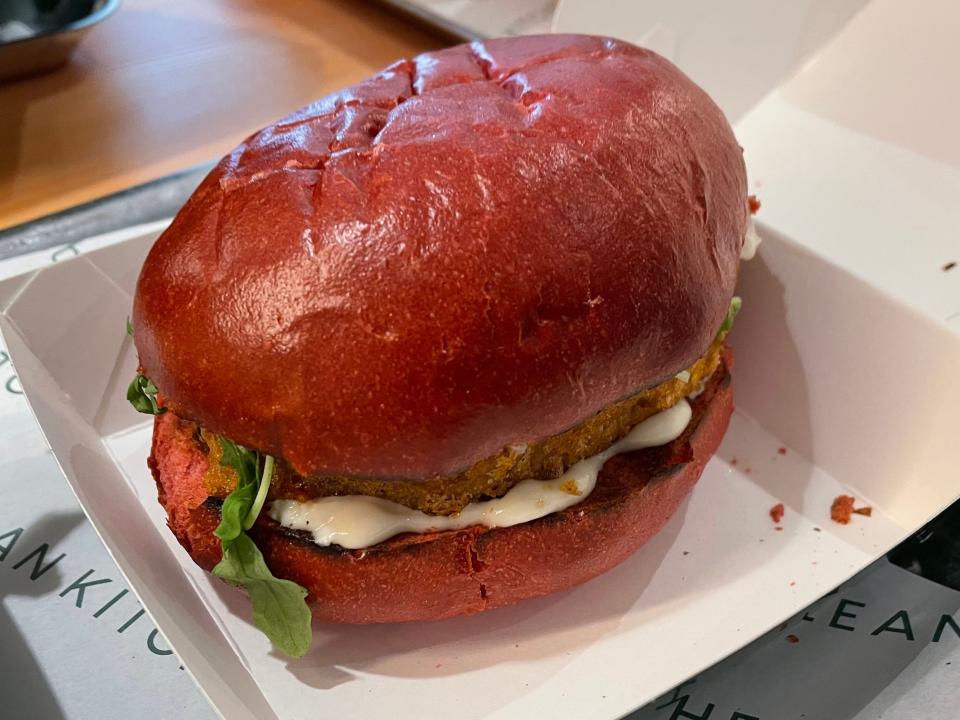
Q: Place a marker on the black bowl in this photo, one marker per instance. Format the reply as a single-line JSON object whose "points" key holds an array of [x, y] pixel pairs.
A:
{"points": [[40, 35]]}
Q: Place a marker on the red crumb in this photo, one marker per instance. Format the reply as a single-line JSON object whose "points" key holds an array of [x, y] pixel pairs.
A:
{"points": [[781, 450], [842, 509], [791, 638], [753, 203], [792, 583], [776, 512], [778, 528], [733, 461], [438, 666], [747, 471]]}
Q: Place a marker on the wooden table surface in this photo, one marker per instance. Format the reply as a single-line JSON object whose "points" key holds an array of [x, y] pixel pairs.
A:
{"points": [[164, 84]]}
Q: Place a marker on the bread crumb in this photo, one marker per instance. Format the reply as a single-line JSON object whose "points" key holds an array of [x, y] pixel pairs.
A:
{"points": [[793, 639], [842, 509], [776, 512], [781, 451]]}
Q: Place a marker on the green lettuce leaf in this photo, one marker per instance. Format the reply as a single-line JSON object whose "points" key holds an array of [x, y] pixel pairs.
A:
{"points": [[235, 508], [735, 304], [279, 606], [142, 394], [280, 610]]}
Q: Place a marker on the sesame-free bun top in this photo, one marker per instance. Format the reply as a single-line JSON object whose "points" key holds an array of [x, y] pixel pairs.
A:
{"points": [[475, 248]]}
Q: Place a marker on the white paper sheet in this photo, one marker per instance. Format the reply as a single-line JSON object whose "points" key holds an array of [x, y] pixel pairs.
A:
{"points": [[885, 645]]}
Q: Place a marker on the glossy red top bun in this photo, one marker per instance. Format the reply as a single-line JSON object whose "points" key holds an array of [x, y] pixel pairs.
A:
{"points": [[478, 247]]}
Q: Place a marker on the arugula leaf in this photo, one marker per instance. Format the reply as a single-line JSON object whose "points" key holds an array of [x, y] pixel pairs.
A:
{"points": [[261, 497], [245, 462], [243, 505], [279, 607], [129, 328], [236, 507], [735, 304], [142, 394]]}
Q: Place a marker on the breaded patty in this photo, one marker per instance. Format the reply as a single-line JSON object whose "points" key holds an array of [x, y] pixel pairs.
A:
{"points": [[492, 476]]}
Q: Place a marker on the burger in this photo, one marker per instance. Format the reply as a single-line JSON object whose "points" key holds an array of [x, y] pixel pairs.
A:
{"points": [[448, 339]]}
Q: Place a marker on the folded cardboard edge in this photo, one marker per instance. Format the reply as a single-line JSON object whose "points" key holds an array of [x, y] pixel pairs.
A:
{"points": [[232, 699]]}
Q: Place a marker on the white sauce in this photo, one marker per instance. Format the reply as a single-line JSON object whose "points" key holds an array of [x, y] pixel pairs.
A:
{"points": [[751, 241], [699, 389], [359, 521]]}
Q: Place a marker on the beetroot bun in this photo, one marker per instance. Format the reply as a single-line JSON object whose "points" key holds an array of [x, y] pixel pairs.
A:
{"points": [[478, 247]]}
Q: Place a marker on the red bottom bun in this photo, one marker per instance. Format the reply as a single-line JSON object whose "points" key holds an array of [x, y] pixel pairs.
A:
{"points": [[439, 575]]}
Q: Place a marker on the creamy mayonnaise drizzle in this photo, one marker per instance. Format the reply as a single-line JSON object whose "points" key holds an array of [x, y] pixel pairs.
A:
{"points": [[359, 521], [751, 241]]}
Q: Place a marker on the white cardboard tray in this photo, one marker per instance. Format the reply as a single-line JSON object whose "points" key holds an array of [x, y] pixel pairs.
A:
{"points": [[861, 390]]}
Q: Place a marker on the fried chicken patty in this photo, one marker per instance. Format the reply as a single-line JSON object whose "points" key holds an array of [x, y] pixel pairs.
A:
{"points": [[493, 476]]}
